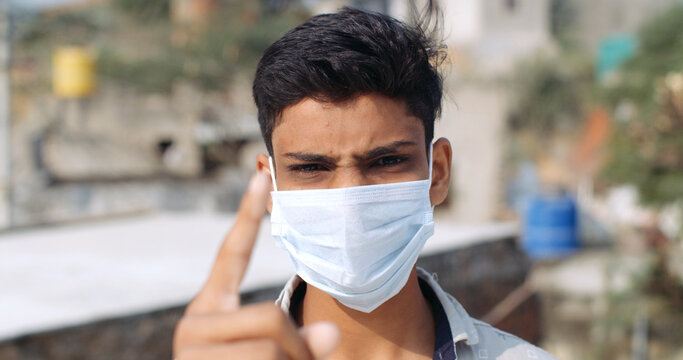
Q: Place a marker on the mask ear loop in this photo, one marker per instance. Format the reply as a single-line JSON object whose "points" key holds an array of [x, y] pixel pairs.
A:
{"points": [[431, 160], [272, 172]]}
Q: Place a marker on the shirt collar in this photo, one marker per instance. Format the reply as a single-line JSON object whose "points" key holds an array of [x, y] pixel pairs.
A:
{"points": [[461, 324]]}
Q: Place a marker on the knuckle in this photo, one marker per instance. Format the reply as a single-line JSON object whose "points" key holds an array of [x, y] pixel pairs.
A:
{"points": [[277, 317], [183, 332], [183, 354], [203, 302], [274, 320], [270, 350], [181, 327], [268, 309]]}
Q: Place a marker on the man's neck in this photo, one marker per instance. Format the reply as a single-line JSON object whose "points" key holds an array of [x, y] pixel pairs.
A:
{"points": [[401, 328]]}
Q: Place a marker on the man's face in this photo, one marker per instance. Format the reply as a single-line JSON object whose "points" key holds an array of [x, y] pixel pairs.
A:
{"points": [[370, 139]]}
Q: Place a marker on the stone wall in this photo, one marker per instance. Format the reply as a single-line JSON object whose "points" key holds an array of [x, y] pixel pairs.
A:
{"points": [[118, 152]]}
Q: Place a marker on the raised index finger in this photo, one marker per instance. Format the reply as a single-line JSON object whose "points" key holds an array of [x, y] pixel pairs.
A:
{"points": [[233, 256]]}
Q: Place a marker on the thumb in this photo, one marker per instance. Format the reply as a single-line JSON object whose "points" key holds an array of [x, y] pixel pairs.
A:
{"points": [[322, 338]]}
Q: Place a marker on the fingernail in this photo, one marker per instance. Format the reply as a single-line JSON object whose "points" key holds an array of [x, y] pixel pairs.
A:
{"points": [[322, 338]]}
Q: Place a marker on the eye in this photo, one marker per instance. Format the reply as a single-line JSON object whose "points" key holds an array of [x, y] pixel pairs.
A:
{"points": [[390, 160], [307, 168]]}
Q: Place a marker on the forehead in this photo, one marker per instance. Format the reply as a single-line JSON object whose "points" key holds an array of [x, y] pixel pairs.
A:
{"points": [[357, 124]]}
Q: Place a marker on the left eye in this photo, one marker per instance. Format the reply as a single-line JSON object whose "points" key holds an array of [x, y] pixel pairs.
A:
{"points": [[307, 168], [390, 160]]}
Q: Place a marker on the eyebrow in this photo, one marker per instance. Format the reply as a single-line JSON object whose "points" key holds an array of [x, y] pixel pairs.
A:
{"points": [[384, 150], [310, 157], [374, 153]]}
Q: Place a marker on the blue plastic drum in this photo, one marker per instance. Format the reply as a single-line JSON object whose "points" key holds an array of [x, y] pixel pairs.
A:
{"points": [[550, 227]]}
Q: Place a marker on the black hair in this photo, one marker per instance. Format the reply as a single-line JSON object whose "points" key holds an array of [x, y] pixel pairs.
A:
{"points": [[336, 57]]}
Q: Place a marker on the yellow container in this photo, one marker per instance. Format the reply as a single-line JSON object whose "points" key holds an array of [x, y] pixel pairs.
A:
{"points": [[73, 72]]}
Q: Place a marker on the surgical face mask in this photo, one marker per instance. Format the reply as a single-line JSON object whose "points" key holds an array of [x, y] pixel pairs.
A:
{"points": [[357, 244]]}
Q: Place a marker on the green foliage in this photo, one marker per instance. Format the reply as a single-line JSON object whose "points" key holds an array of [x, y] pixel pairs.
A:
{"points": [[149, 75], [74, 28], [145, 9], [208, 56], [660, 52], [563, 15], [549, 94], [647, 146], [138, 45], [37, 37]]}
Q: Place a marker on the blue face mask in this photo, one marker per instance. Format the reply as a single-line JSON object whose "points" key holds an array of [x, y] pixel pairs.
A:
{"points": [[357, 244]]}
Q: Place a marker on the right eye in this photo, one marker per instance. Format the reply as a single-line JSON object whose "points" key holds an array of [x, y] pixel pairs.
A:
{"points": [[307, 168]]}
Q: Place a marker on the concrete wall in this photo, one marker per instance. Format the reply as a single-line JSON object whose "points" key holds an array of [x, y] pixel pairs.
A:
{"points": [[486, 40], [122, 152], [473, 120]]}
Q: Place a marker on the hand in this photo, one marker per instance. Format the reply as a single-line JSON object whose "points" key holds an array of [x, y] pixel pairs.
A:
{"points": [[215, 326]]}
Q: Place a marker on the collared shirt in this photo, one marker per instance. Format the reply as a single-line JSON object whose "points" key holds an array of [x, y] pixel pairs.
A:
{"points": [[444, 348], [470, 339]]}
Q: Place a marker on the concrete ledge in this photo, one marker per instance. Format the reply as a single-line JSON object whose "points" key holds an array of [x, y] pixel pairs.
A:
{"points": [[115, 290]]}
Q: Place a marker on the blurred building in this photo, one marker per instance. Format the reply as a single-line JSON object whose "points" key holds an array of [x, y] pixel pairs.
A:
{"points": [[494, 34], [5, 128], [486, 39], [117, 144], [98, 148], [112, 150], [596, 20]]}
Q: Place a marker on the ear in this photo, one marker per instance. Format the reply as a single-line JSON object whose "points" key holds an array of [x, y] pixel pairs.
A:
{"points": [[441, 171], [262, 164]]}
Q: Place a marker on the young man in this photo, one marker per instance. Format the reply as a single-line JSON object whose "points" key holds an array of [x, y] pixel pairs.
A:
{"points": [[347, 104]]}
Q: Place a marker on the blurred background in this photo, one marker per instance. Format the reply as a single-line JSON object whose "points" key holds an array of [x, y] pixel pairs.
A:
{"points": [[128, 133]]}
